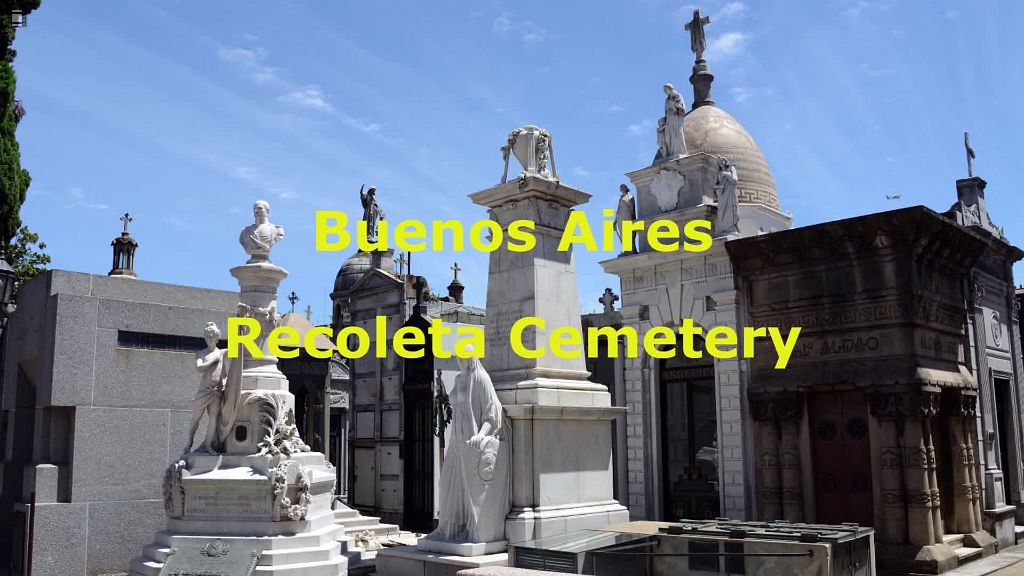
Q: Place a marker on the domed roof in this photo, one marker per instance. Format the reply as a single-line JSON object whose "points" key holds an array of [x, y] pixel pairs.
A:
{"points": [[712, 130], [352, 270]]}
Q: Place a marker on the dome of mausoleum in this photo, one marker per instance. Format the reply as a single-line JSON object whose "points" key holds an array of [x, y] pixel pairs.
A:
{"points": [[714, 131]]}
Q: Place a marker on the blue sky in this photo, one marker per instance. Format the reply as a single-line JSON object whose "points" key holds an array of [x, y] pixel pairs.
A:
{"points": [[185, 112]]}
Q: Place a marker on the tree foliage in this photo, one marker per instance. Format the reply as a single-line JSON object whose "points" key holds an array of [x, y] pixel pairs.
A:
{"points": [[14, 180], [25, 255]]}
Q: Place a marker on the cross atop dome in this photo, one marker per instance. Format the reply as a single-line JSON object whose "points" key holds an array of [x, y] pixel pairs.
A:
{"points": [[701, 78], [698, 43]]}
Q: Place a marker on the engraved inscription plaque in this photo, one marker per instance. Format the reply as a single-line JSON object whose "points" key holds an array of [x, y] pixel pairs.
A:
{"points": [[214, 557]]}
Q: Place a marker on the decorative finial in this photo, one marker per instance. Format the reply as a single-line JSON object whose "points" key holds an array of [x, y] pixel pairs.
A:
{"points": [[970, 154], [701, 78], [293, 298], [126, 219], [532, 146], [609, 299]]}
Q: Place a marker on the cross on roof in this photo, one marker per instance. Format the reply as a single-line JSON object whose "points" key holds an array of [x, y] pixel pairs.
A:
{"points": [[126, 219], [401, 263], [309, 312], [698, 43], [455, 268], [970, 154], [293, 298], [609, 299]]}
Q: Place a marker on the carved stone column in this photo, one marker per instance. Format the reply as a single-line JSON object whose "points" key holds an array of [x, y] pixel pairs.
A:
{"points": [[889, 412], [790, 413], [956, 407], [767, 469]]}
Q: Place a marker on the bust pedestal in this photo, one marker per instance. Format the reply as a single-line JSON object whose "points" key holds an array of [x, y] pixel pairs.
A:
{"points": [[561, 437]]}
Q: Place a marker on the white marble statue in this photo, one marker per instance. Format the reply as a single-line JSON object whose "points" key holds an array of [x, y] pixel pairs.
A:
{"points": [[474, 484], [728, 201], [213, 376], [625, 211], [532, 147], [671, 140], [258, 238]]}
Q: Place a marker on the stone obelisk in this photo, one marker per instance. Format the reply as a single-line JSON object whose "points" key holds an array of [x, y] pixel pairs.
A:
{"points": [[561, 437], [254, 497]]}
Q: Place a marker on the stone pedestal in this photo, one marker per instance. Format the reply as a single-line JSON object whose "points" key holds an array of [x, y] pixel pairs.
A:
{"points": [[561, 433], [266, 499]]}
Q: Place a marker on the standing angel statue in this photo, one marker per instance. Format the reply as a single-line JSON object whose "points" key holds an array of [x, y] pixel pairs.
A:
{"points": [[474, 484]]}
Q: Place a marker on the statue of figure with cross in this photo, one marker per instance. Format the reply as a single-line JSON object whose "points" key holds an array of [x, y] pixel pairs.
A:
{"points": [[698, 43]]}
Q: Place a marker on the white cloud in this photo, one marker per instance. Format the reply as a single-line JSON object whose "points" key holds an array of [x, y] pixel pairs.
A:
{"points": [[360, 125], [951, 14], [580, 171], [645, 126], [740, 94], [78, 199], [731, 10], [311, 97], [250, 59], [728, 45], [529, 33], [856, 8]]}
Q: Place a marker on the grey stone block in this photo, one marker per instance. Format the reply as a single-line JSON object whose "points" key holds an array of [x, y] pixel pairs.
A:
{"points": [[168, 294], [131, 377], [159, 318], [41, 479], [66, 282], [119, 530], [61, 531], [74, 347], [120, 454], [180, 420]]}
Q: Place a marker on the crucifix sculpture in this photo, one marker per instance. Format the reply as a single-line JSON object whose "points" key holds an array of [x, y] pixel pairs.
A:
{"points": [[698, 43], [126, 219], [970, 154], [401, 264]]}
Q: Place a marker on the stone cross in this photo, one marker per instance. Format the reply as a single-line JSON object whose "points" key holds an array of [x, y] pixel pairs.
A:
{"points": [[401, 264], [695, 27], [293, 298], [970, 154], [309, 312], [609, 299], [126, 219], [455, 268]]}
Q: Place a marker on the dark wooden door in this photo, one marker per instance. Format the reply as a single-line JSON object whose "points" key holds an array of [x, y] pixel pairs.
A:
{"points": [[842, 457], [418, 469]]}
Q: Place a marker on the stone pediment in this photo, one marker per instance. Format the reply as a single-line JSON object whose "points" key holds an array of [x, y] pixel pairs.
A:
{"points": [[676, 184]]}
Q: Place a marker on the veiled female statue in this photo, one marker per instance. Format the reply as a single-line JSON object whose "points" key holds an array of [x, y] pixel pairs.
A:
{"points": [[671, 140], [474, 485]]}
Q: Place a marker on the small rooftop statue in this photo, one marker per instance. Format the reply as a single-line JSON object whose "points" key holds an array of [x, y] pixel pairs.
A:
{"points": [[371, 210], [258, 238]]}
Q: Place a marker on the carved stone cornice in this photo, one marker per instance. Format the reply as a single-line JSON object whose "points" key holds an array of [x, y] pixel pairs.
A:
{"points": [[900, 404], [777, 407]]}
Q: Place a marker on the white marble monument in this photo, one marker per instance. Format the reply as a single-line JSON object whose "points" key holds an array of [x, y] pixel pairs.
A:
{"points": [[252, 496]]}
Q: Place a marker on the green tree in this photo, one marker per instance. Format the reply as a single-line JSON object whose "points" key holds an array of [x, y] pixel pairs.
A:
{"points": [[25, 255], [14, 180]]}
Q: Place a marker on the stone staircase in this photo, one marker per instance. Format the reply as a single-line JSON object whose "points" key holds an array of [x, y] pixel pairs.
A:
{"points": [[963, 553], [360, 559]]}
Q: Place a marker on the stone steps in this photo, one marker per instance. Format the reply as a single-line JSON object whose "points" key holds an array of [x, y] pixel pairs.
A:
{"points": [[1018, 533], [964, 554]]}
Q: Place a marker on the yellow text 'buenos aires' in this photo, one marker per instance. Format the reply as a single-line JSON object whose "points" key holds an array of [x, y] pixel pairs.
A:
{"points": [[722, 342]]}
